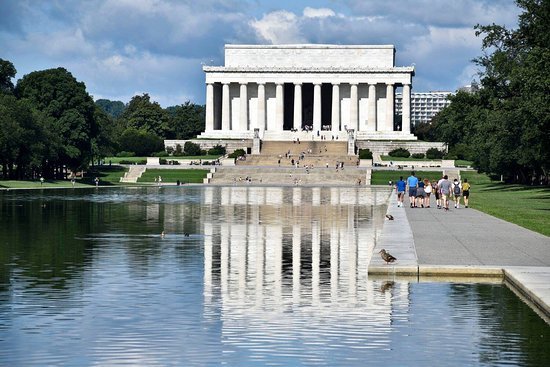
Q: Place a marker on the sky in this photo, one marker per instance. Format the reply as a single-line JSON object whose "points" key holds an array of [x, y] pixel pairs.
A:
{"points": [[122, 48]]}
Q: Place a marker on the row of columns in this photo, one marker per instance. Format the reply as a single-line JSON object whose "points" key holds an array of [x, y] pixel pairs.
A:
{"points": [[297, 121]]}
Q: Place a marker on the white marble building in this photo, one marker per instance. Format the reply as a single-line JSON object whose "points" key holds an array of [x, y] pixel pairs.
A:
{"points": [[282, 90]]}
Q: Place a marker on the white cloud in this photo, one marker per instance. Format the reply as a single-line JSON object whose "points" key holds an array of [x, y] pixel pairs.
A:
{"points": [[278, 27], [318, 13]]}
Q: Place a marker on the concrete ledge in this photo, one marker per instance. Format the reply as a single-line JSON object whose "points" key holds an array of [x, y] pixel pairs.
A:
{"points": [[393, 270], [466, 271], [532, 285]]}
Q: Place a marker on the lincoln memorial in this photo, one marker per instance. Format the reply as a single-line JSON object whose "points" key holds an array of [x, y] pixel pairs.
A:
{"points": [[280, 92]]}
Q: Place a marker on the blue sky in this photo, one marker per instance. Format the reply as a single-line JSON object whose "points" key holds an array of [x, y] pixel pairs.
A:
{"points": [[120, 48]]}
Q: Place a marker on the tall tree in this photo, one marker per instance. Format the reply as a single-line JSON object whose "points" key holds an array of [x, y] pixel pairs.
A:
{"points": [[186, 120], [142, 114], [68, 116], [7, 73], [112, 108]]}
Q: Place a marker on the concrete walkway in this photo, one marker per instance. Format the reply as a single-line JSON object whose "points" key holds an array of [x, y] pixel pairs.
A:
{"points": [[465, 242]]}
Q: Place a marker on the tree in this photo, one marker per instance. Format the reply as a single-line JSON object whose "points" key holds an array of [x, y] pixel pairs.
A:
{"points": [[142, 114], [141, 142], [186, 120], [67, 114], [111, 108], [7, 73]]}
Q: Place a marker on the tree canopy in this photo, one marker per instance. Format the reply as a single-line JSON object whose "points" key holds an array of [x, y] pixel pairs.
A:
{"points": [[506, 124]]}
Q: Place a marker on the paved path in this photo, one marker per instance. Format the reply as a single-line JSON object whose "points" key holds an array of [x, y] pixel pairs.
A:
{"points": [[431, 241]]}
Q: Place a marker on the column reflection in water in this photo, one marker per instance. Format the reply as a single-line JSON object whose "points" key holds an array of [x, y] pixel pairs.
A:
{"points": [[268, 240]]}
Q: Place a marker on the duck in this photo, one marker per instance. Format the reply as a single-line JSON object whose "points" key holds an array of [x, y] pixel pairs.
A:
{"points": [[387, 257], [389, 216], [387, 286], [186, 234]]}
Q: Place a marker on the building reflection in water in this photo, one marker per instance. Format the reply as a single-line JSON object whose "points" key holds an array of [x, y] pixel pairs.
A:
{"points": [[278, 260]]}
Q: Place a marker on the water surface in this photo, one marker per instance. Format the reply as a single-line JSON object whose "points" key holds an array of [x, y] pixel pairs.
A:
{"points": [[243, 276]]}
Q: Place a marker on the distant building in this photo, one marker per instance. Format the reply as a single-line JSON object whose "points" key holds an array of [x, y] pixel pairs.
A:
{"points": [[424, 105]]}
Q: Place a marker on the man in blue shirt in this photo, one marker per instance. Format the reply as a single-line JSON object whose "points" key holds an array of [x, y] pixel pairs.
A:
{"points": [[400, 188], [412, 183]]}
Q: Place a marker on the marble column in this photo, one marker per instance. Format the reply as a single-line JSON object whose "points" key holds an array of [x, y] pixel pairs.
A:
{"points": [[243, 113], [389, 106], [316, 108], [226, 112], [209, 118], [279, 110], [353, 107], [406, 108], [298, 106], [371, 106], [335, 108], [261, 106]]}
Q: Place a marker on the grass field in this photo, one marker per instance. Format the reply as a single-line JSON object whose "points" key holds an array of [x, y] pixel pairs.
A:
{"points": [[390, 158], [172, 175], [526, 206], [382, 177]]}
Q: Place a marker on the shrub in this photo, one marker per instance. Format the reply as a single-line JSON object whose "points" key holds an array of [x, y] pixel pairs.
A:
{"points": [[178, 151], [237, 153], [217, 150], [125, 161], [400, 152], [434, 153], [365, 154], [141, 142], [163, 161], [126, 154], [169, 150], [160, 154], [418, 155], [191, 148]]}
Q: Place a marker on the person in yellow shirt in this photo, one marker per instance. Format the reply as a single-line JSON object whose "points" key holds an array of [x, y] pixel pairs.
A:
{"points": [[466, 191]]}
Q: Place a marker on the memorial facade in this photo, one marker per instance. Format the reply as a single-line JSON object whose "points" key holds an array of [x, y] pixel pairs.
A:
{"points": [[280, 92]]}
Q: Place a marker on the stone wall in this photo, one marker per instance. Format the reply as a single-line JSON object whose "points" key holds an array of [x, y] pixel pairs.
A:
{"points": [[384, 147]]}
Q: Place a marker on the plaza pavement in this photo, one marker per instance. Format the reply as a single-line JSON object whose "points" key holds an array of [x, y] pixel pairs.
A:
{"points": [[465, 242]]}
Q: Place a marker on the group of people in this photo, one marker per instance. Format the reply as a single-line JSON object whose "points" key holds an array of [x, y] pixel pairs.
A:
{"points": [[420, 191]]}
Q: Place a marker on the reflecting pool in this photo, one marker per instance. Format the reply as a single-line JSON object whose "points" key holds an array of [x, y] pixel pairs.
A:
{"points": [[242, 276]]}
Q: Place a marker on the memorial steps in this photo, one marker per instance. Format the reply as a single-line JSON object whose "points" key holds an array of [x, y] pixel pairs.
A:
{"points": [[289, 176]]}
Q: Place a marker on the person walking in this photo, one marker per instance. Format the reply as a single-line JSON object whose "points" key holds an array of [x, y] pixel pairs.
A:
{"points": [[457, 191], [445, 191], [466, 192], [428, 190], [400, 187], [420, 193], [412, 183]]}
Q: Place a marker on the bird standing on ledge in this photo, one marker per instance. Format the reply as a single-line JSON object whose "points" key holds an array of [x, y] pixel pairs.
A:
{"points": [[389, 216], [387, 257]]}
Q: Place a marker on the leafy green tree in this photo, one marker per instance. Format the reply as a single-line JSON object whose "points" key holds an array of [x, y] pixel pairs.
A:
{"points": [[68, 116], [7, 73], [186, 120], [111, 108], [140, 142], [191, 148], [142, 114]]}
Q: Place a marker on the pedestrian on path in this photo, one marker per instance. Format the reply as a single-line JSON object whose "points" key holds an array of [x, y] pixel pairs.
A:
{"points": [[400, 187], [428, 190], [412, 183], [466, 192], [435, 189], [445, 190], [457, 191], [420, 193]]}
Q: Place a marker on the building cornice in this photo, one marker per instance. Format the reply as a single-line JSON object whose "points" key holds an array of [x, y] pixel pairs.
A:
{"points": [[298, 69]]}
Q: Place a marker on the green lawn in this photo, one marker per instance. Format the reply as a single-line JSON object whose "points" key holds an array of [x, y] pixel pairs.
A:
{"points": [[526, 206], [463, 163], [382, 177], [35, 184], [172, 175], [108, 175]]}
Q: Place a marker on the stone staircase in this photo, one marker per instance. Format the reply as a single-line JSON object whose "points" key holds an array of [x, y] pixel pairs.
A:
{"points": [[316, 153], [290, 176], [133, 174]]}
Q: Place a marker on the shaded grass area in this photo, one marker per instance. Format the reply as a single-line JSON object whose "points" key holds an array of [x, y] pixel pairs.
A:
{"points": [[390, 158], [526, 206], [173, 175], [463, 163], [382, 177], [108, 175]]}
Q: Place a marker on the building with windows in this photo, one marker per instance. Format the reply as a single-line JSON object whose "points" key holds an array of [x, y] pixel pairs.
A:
{"points": [[423, 105]]}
